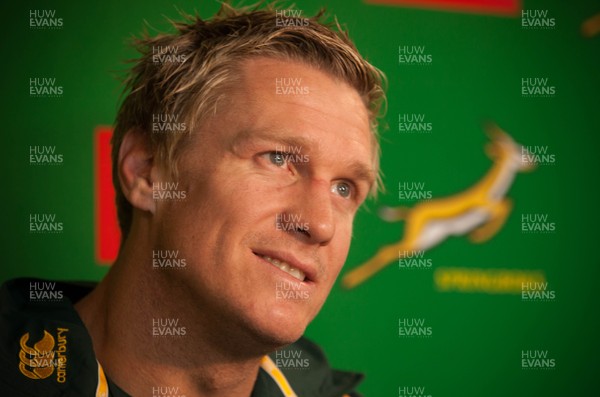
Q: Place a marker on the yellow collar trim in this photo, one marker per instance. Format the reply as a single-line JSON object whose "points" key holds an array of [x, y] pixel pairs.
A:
{"points": [[270, 368], [102, 388], [266, 363]]}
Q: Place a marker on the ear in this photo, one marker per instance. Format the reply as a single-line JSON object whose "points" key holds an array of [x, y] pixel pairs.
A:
{"points": [[492, 130], [491, 150], [136, 165]]}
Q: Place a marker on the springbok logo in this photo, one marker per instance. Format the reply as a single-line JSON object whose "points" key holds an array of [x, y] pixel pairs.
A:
{"points": [[479, 211], [40, 357]]}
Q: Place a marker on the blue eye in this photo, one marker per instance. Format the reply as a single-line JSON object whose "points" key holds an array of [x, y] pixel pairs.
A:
{"points": [[342, 188], [277, 158]]}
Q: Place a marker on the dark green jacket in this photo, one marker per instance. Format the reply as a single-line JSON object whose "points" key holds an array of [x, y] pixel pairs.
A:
{"points": [[45, 350]]}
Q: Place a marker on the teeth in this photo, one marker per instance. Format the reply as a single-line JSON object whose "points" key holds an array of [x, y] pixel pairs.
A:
{"points": [[296, 273]]}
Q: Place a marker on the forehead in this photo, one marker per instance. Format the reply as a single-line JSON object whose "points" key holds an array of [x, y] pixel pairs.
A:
{"points": [[297, 83], [300, 100]]}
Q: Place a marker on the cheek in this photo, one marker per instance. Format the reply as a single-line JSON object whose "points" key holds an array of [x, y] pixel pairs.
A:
{"points": [[343, 254], [340, 249], [220, 201]]}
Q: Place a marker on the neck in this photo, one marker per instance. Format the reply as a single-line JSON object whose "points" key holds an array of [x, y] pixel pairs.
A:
{"points": [[140, 320], [499, 178]]}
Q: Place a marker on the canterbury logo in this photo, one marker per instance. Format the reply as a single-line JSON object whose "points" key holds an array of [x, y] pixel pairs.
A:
{"points": [[37, 362], [41, 360]]}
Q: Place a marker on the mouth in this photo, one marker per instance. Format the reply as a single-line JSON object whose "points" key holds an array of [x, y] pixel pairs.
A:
{"points": [[284, 266]]}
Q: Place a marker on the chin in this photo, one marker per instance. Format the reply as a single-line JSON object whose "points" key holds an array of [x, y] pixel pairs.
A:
{"points": [[277, 331], [275, 340]]}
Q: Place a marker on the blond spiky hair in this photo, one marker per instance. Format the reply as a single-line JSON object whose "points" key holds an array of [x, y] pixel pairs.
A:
{"points": [[210, 53]]}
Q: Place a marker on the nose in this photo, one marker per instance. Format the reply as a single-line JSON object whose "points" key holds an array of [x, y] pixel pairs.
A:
{"points": [[313, 208]]}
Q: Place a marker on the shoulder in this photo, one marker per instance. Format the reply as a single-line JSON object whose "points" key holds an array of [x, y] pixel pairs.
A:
{"points": [[45, 349]]}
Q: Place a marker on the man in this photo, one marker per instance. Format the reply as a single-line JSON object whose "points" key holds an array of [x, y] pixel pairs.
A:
{"points": [[244, 156]]}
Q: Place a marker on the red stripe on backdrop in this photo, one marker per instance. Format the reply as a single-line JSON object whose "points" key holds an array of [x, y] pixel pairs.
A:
{"points": [[107, 233], [498, 7]]}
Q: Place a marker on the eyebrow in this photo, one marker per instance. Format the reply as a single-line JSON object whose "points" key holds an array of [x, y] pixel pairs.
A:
{"points": [[357, 170], [362, 172], [269, 135]]}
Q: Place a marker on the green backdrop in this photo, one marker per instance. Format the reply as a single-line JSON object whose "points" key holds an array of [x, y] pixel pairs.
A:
{"points": [[477, 65]]}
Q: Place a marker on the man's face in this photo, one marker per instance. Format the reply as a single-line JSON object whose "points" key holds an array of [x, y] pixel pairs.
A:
{"points": [[272, 182]]}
